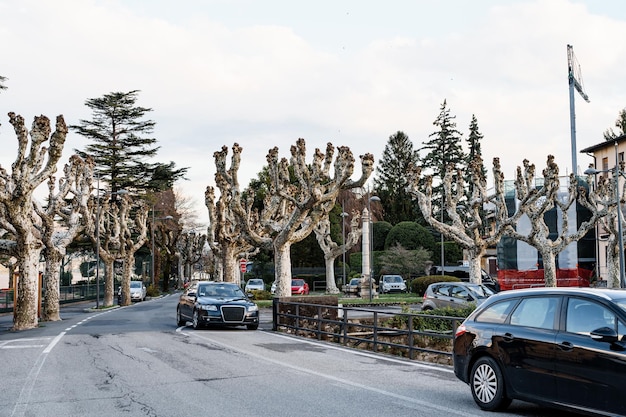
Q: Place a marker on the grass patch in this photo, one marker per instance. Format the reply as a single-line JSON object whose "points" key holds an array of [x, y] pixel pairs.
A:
{"points": [[382, 299]]}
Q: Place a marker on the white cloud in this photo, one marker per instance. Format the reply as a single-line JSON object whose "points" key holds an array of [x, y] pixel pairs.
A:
{"points": [[352, 73]]}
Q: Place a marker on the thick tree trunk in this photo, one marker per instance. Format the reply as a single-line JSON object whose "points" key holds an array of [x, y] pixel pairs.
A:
{"points": [[127, 266], [282, 266], [229, 260], [331, 285], [612, 261], [51, 310], [109, 282], [27, 301], [475, 256], [549, 268]]}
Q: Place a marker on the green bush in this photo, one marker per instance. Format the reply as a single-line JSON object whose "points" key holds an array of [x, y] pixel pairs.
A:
{"points": [[261, 295], [152, 291], [419, 284], [441, 325]]}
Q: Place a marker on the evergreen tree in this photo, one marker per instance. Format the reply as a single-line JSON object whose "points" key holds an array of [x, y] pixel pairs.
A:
{"points": [[443, 148], [620, 124], [390, 182], [122, 146], [473, 144]]}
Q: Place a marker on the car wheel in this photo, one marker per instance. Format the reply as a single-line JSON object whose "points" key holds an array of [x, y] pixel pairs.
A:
{"points": [[252, 326], [426, 308], [179, 318], [487, 385], [196, 320]]}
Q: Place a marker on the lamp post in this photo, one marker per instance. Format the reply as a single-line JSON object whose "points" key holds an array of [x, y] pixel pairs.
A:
{"points": [[152, 244], [617, 173], [343, 242], [371, 229]]}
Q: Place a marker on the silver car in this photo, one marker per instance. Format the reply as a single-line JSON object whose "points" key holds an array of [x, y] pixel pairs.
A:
{"points": [[254, 284], [454, 295]]}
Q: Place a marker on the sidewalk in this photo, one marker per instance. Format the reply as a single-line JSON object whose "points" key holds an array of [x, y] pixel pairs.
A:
{"points": [[6, 319]]}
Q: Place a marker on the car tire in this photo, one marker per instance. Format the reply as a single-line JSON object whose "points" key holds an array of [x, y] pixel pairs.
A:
{"points": [[252, 326], [196, 320], [180, 321], [426, 308], [487, 385]]}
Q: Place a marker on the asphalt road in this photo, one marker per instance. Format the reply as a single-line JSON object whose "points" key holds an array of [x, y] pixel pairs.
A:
{"points": [[134, 361]]}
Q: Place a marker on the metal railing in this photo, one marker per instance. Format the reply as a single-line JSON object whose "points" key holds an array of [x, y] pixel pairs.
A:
{"points": [[67, 294], [407, 334]]}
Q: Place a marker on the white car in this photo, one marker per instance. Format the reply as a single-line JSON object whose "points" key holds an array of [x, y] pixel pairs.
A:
{"points": [[137, 292], [391, 283], [254, 284]]}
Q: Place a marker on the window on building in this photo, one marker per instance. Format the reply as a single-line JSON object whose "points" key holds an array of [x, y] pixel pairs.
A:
{"points": [[605, 163]]}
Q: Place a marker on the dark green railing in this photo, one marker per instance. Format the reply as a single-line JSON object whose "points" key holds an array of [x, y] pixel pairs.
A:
{"points": [[67, 294]]}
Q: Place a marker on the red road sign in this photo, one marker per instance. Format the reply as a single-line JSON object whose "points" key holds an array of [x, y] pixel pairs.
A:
{"points": [[242, 265]]}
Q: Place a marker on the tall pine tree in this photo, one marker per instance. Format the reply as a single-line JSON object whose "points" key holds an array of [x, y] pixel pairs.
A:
{"points": [[391, 181], [121, 145], [443, 148], [474, 150]]}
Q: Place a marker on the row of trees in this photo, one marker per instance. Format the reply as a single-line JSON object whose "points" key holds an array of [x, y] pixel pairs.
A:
{"points": [[108, 195]]}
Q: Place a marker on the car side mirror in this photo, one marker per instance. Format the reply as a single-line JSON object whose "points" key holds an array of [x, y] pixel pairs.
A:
{"points": [[604, 334]]}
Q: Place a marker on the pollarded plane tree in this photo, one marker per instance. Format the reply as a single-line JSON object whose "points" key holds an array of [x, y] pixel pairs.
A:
{"points": [[60, 223], [293, 208], [604, 196], [31, 168], [536, 200], [332, 249], [467, 222], [189, 246], [133, 219], [225, 232], [117, 229]]}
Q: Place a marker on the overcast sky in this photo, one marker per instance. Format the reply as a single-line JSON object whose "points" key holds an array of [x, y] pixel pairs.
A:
{"points": [[265, 73]]}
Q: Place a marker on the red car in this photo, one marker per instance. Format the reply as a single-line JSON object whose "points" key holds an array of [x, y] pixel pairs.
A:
{"points": [[299, 287]]}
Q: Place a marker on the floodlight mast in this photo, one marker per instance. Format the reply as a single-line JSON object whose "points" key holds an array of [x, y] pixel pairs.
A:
{"points": [[575, 82]]}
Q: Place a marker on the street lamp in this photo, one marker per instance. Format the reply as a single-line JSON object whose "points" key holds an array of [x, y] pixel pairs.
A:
{"points": [[152, 244], [620, 238], [370, 225], [119, 192], [343, 241]]}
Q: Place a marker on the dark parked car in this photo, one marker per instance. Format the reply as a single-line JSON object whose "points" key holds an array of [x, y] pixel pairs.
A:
{"points": [[462, 272], [216, 303], [454, 295], [561, 347]]}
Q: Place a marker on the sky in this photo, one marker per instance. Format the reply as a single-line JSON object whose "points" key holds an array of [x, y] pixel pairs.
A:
{"points": [[353, 73]]}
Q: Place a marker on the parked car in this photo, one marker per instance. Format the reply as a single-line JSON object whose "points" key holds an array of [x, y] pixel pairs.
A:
{"points": [[454, 295], [391, 283], [299, 287], [216, 303], [352, 287], [254, 284], [462, 272], [138, 292], [561, 347]]}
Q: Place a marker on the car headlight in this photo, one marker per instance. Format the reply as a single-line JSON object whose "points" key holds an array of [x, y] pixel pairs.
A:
{"points": [[252, 308], [207, 307]]}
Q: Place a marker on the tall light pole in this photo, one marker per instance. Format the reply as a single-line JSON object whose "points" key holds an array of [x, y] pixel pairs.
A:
{"points": [[343, 242], [371, 229], [152, 243], [617, 173]]}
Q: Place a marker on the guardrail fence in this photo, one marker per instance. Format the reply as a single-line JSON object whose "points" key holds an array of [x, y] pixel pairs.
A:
{"points": [[409, 334]]}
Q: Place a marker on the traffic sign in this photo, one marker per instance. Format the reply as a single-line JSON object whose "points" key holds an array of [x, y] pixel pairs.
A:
{"points": [[242, 265]]}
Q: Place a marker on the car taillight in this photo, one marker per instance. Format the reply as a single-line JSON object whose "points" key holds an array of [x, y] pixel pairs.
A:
{"points": [[460, 330]]}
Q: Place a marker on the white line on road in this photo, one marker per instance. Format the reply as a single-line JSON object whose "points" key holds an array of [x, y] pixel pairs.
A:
{"points": [[424, 404]]}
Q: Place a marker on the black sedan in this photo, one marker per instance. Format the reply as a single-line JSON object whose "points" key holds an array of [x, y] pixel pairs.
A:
{"points": [[216, 303], [561, 347]]}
